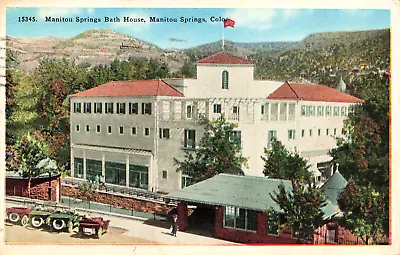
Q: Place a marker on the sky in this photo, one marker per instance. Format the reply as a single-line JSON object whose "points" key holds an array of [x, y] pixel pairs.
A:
{"points": [[251, 25]]}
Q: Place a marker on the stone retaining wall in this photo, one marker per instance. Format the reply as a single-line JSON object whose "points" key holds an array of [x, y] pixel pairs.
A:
{"points": [[121, 201]]}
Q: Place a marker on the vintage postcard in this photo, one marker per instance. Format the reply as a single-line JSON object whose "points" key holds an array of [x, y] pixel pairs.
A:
{"points": [[151, 128]]}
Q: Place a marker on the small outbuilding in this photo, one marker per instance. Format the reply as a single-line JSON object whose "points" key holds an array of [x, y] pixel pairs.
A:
{"points": [[43, 187], [238, 208]]}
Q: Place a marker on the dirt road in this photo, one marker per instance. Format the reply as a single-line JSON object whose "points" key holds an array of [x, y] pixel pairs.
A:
{"points": [[16, 234]]}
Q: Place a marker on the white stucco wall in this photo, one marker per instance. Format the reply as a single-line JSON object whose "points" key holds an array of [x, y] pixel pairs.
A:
{"points": [[202, 93]]}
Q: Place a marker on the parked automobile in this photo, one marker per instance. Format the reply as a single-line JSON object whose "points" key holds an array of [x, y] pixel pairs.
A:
{"points": [[19, 214], [93, 226], [38, 216], [60, 220]]}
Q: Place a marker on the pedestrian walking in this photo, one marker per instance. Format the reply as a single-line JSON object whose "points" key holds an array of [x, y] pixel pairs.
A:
{"points": [[174, 224]]}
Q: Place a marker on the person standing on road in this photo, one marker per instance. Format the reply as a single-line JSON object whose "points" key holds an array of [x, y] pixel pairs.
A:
{"points": [[174, 224]]}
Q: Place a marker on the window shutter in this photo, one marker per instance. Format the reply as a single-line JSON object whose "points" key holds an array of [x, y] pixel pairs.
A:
{"points": [[143, 108], [160, 131], [149, 108], [130, 108]]}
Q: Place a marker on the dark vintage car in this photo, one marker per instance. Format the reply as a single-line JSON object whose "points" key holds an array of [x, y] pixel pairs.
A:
{"points": [[60, 220], [93, 226], [18, 214]]}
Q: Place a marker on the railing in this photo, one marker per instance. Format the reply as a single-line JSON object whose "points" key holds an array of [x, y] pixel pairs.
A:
{"points": [[117, 189], [68, 203], [234, 117]]}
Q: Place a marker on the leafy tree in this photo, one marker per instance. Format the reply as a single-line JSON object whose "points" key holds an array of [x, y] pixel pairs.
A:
{"points": [[283, 164], [26, 155], [11, 89], [364, 153], [366, 213], [301, 206], [218, 152]]}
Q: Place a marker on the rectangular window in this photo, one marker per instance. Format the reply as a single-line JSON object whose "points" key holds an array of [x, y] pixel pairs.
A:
{"points": [[164, 174], [109, 129], [320, 111], [98, 129], [87, 128], [146, 131], [310, 132], [98, 107], [146, 108], [303, 132], [109, 108], [292, 112], [78, 167], [327, 131], [319, 132], [291, 134], [236, 137], [121, 108], [186, 180], [121, 130], [87, 107], [328, 110], [138, 176], [274, 112], [115, 173], [262, 109], [133, 130], [336, 111], [133, 108], [77, 128], [189, 112], [164, 133], [303, 110], [217, 108], [334, 131], [273, 224], [271, 134], [282, 111], [310, 110], [343, 111], [239, 218], [93, 169], [77, 107], [189, 138]]}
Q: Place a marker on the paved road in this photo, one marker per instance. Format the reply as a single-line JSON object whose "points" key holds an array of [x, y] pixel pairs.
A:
{"points": [[146, 229]]}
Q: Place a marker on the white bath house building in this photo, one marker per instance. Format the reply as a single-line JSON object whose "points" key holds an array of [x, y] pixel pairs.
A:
{"points": [[130, 131]]}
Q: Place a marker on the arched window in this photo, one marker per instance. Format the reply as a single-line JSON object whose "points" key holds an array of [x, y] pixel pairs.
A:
{"points": [[225, 76]]}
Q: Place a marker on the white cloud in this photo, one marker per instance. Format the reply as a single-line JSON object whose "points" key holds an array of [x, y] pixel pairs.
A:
{"points": [[90, 11], [135, 26], [258, 19], [57, 12]]}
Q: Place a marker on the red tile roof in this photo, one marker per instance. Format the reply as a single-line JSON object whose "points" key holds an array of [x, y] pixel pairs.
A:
{"points": [[224, 58], [311, 92], [131, 88]]}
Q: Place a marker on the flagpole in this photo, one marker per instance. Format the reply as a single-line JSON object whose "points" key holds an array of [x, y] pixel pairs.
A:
{"points": [[223, 42]]}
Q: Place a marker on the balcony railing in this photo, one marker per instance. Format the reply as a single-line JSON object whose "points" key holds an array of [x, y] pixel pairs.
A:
{"points": [[234, 117]]}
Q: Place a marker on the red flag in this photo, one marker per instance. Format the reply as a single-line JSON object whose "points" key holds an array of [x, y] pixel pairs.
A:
{"points": [[229, 23]]}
